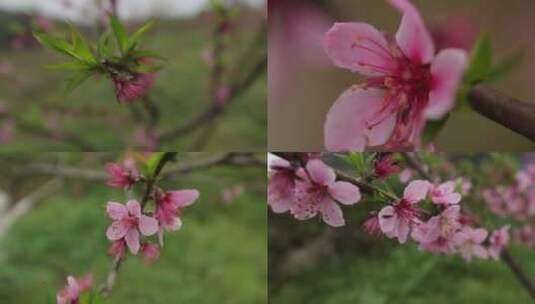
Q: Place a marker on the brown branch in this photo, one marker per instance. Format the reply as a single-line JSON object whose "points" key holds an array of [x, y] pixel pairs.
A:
{"points": [[509, 112]]}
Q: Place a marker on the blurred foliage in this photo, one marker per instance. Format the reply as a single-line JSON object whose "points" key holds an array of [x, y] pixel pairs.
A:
{"points": [[349, 266], [199, 264]]}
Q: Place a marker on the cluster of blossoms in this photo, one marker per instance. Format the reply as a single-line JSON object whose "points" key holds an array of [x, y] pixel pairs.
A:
{"points": [[430, 214], [516, 201], [407, 83], [310, 191], [447, 230], [70, 294], [130, 221]]}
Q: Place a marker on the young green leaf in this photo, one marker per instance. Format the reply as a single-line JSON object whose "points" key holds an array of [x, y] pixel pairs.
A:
{"points": [[80, 46], [481, 60], [136, 37], [120, 33], [77, 79], [71, 66], [53, 43], [506, 65], [153, 162]]}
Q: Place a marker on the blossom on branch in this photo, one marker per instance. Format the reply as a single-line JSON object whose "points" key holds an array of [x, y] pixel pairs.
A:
{"points": [[75, 286], [122, 175]]}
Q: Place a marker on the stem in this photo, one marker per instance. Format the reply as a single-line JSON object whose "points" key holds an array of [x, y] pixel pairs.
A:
{"points": [[116, 265], [511, 113], [508, 259]]}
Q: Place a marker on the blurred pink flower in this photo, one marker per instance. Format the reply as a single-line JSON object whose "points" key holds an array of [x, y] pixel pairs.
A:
{"points": [[146, 139], [469, 240], [372, 227], [122, 175], [228, 195], [75, 286], [151, 252], [396, 220], [444, 194], [128, 222], [316, 191], [7, 130], [295, 32], [117, 249], [222, 95], [134, 87], [281, 186], [498, 240], [407, 83], [457, 31], [405, 176], [436, 235]]}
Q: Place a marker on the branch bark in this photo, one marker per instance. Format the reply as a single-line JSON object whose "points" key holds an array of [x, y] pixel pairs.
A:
{"points": [[509, 112]]}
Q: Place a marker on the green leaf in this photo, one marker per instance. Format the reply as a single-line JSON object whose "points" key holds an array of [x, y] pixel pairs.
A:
{"points": [[481, 60], [120, 33], [357, 160], [506, 65], [104, 47], [136, 37], [76, 80], [53, 43], [432, 128], [71, 66], [153, 162], [80, 46]]}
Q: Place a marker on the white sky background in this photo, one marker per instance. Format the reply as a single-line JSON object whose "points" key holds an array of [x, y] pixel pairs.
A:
{"points": [[84, 10]]}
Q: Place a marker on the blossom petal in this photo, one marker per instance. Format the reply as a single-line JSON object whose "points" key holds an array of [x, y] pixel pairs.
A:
{"points": [[402, 230], [320, 172], [387, 219], [148, 225], [118, 230], [183, 198], [346, 193], [412, 36], [360, 48], [479, 235], [352, 122], [416, 191], [132, 240], [134, 208], [447, 71], [116, 211], [452, 198], [332, 213]]}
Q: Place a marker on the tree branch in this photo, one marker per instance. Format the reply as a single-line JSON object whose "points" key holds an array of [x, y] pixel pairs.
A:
{"points": [[509, 112]]}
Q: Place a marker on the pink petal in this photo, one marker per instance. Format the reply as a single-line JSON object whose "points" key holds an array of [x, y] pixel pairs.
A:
{"points": [[360, 48], [148, 225], [447, 187], [479, 235], [73, 289], [480, 252], [134, 208], [173, 224], [452, 198], [416, 191], [402, 230], [132, 240], [387, 219], [346, 193], [347, 127], [320, 172], [413, 37], [332, 213], [118, 230], [447, 70], [183, 198], [116, 211]]}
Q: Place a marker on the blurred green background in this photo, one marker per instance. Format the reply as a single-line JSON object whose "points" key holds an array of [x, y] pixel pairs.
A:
{"points": [[219, 255], [34, 94], [298, 107], [309, 262]]}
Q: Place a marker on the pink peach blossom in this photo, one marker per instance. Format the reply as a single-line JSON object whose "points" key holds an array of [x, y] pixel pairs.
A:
{"points": [[169, 206], [468, 241], [498, 240], [117, 249], [396, 220], [316, 191], [444, 194], [128, 222], [75, 286], [385, 166], [436, 235], [122, 175], [151, 252], [407, 83], [281, 186]]}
